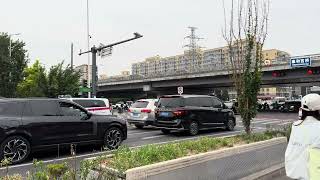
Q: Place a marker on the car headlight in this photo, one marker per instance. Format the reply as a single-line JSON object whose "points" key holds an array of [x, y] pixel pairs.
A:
{"points": [[231, 113]]}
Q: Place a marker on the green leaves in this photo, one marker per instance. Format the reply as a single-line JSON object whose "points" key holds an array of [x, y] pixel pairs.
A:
{"points": [[58, 80], [11, 68]]}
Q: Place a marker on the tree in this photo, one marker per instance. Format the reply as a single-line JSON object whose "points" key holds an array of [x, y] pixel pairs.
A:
{"points": [[225, 95], [62, 81], [245, 36], [217, 93], [58, 81], [11, 68], [35, 82]]}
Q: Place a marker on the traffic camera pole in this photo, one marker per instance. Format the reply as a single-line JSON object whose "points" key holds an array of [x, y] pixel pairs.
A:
{"points": [[94, 72], [94, 51]]}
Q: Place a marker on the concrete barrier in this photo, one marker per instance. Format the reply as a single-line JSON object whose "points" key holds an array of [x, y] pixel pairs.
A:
{"points": [[230, 163]]}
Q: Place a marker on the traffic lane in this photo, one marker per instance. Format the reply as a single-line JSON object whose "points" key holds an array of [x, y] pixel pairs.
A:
{"points": [[277, 115]]}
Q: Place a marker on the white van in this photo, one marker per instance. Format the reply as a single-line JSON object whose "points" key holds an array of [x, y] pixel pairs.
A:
{"points": [[94, 105]]}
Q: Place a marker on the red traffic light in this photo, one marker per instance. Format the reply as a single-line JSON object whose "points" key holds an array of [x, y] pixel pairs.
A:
{"points": [[278, 74], [313, 71], [274, 74]]}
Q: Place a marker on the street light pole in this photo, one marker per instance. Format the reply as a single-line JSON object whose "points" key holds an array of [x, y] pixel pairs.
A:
{"points": [[88, 46], [94, 51]]}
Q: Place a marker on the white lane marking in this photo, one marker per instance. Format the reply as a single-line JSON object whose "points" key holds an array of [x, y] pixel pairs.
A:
{"points": [[285, 123], [276, 122], [269, 123], [152, 137], [260, 121]]}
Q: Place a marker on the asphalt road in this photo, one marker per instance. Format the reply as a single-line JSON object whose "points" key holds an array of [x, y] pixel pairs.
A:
{"points": [[150, 135]]}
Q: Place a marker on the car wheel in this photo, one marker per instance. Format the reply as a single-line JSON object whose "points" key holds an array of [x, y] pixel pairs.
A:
{"points": [[139, 126], [193, 128], [113, 138], [15, 148], [165, 131], [230, 125]]}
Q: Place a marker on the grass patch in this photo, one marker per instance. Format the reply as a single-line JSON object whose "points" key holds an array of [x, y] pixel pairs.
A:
{"points": [[125, 158]]}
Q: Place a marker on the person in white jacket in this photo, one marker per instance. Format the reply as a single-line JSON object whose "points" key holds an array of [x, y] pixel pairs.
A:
{"points": [[305, 134]]}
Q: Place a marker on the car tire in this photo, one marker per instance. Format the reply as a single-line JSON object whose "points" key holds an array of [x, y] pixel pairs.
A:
{"points": [[193, 128], [139, 126], [21, 148], [165, 131], [230, 125], [112, 138]]}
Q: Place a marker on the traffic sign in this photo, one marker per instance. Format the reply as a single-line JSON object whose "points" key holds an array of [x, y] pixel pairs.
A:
{"points": [[180, 90], [105, 52], [300, 62], [84, 89]]}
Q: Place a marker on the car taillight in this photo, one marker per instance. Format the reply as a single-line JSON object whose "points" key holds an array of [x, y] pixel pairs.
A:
{"points": [[129, 110], [179, 113], [146, 110]]}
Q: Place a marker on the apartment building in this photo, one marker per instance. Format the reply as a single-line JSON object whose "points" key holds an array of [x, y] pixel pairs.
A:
{"points": [[198, 59]]}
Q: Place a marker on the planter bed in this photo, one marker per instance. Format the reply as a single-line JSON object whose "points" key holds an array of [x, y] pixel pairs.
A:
{"points": [[159, 161]]}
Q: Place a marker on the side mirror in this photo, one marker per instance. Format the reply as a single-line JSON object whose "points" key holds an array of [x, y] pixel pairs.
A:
{"points": [[224, 106], [86, 116]]}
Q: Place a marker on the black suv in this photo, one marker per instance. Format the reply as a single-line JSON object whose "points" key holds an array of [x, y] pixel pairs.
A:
{"points": [[192, 113], [32, 124]]}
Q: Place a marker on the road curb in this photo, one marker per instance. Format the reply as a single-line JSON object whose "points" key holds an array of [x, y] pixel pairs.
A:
{"points": [[270, 173]]}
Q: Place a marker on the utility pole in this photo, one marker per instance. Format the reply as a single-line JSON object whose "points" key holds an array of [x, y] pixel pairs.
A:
{"points": [[193, 47], [88, 46], [71, 55], [94, 51]]}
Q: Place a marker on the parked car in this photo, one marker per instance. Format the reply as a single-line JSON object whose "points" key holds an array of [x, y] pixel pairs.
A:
{"points": [[141, 113], [94, 105], [192, 113], [28, 125]]}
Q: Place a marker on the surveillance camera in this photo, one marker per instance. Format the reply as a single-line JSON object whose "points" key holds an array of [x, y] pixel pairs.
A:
{"points": [[137, 34]]}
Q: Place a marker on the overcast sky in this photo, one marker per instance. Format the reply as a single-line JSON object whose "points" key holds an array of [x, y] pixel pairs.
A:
{"points": [[49, 26]]}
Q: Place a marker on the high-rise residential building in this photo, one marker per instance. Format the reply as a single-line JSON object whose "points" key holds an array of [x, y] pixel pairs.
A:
{"points": [[85, 72], [206, 60], [274, 56]]}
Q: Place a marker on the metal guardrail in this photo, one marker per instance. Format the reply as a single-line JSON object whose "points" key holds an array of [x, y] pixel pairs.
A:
{"points": [[201, 72]]}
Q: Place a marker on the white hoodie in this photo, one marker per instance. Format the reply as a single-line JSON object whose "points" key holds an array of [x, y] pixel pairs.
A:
{"points": [[303, 136]]}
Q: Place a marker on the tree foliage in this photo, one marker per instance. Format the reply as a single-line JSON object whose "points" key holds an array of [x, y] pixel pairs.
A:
{"points": [[11, 68], [245, 34], [35, 82], [39, 83]]}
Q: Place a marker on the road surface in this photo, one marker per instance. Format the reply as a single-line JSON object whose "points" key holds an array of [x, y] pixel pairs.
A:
{"points": [[150, 135]]}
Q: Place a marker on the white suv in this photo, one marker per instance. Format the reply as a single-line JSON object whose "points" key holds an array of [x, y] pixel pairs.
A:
{"points": [[141, 113], [94, 105]]}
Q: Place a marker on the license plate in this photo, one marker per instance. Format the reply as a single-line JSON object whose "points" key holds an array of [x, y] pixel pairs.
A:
{"points": [[135, 114], [165, 114]]}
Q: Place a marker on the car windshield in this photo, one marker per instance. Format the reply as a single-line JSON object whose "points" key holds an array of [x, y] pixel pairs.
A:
{"points": [[140, 104], [170, 102]]}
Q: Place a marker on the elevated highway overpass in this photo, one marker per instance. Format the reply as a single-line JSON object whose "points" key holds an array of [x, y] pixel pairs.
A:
{"points": [[204, 82]]}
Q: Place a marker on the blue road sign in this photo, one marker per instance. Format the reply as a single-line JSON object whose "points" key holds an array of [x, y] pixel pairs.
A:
{"points": [[300, 62]]}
